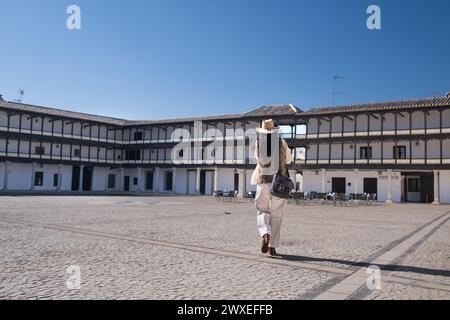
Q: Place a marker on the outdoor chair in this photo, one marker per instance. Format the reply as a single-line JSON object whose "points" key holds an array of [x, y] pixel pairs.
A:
{"points": [[298, 197], [360, 199], [228, 196], [322, 197], [218, 194], [250, 196], [341, 199]]}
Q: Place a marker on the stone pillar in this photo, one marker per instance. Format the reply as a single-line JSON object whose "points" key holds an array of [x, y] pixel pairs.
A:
{"points": [[301, 183], [323, 180], [106, 178], [293, 175], [216, 180], [156, 180], [389, 195], [174, 180], [122, 179], [197, 182], [5, 176], [241, 190], [436, 187], [80, 186], [356, 181], [33, 170], [58, 187], [139, 176]]}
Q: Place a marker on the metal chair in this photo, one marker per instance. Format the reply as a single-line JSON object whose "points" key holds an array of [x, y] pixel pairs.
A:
{"points": [[298, 197]]}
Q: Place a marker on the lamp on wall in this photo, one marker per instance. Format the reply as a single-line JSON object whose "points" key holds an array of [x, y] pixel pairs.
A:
{"points": [[351, 147], [417, 143]]}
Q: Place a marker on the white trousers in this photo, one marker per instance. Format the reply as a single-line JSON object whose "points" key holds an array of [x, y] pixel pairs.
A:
{"points": [[269, 211]]}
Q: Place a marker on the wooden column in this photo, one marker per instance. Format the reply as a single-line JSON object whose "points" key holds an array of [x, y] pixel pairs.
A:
{"points": [[426, 140], [395, 139]]}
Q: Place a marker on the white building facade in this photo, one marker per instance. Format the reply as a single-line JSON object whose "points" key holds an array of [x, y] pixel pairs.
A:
{"points": [[397, 150]]}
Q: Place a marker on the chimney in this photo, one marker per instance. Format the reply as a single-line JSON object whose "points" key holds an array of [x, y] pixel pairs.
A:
{"points": [[447, 94], [1, 98]]}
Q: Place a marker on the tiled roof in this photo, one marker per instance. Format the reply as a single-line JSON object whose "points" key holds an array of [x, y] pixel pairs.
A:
{"points": [[274, 110], [59, 112], [184, 120], [383, 106], [264, 111]]}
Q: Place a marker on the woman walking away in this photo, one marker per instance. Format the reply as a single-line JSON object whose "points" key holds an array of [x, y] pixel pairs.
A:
{"points": [[272, 155]]}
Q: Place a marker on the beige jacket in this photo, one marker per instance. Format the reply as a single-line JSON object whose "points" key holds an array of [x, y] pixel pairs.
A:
{"points": [[285, 159]]}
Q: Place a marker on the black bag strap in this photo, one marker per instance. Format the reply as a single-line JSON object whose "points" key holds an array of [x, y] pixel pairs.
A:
{"points": [[279, 147], [257, 150]]}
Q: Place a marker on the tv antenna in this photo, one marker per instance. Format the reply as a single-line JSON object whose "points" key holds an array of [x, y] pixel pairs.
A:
{"points": [[21, 94], [334, 92]]}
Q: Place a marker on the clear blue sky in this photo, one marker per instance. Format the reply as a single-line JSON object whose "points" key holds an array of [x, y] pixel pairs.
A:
{"points": [[157, 59]]}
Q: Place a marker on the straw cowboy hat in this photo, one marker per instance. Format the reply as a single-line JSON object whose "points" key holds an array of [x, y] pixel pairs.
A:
{"points": [[267, 126]]}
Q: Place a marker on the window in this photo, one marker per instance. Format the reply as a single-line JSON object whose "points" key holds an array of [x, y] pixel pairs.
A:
{"points": [[39, 150], [55, 179], [169, 180], [76, 152], [38, 178], [365, 153], [138, 136], [399, 152], [413, 185], [111, 181], [132, 154], [135, 181]]}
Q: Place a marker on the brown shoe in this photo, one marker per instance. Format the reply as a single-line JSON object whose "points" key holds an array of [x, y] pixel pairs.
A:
{"points": [[265, 243], [272, 252]]}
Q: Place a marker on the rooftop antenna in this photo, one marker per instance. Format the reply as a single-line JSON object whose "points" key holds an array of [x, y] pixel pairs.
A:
{"points": [[21, 94], [334, 92]]}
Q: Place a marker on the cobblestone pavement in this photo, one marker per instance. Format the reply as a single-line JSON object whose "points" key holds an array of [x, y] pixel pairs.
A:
{"points": [[188, 248]]}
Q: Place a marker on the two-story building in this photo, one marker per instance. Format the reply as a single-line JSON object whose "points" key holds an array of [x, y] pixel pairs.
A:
{"points": [[398, 150], [46, 149]]}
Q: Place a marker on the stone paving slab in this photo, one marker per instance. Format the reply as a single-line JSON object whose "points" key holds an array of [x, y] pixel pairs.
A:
{"points": [[213, 255], [34, 263]]}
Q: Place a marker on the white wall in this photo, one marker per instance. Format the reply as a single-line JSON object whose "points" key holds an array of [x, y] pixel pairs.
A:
{"points": [[248, 179], [19, 177], [119, 183], [66, 179], [226, 179], [98, 179], [49, 171], [383, 187], [444, 186], [180, 181], [313, 182]]}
